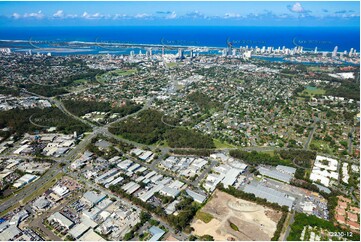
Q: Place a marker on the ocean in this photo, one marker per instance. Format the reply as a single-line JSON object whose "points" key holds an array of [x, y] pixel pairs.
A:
{"points": [[324, 38]]}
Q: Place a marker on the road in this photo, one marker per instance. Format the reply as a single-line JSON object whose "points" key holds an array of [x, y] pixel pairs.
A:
{"points": [[309, 139], [70, 156], [350, 141], [353, 196], [103, 130], [38, 220], [204, 173], [60, 105], [290, 222], [54, 170], [28, 190], [94, 186]]}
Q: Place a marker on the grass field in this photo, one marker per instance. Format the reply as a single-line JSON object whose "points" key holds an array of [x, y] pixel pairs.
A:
{"points": [[238, 80], [269, 152], [222, 145], [80, 81], [310, 91], [318, 69], [124, 72], [101, 79], [320, 145], [205, 217], [172, 64]]}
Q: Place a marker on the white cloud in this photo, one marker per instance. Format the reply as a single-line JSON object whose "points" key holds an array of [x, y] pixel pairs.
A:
{"points": [[38, 15], [232, 15], [86, 15], [71, 16], [16, 15], [172, 15], [142, 15], [297, 8], [59, 14], [120, 16], [195, 14]]}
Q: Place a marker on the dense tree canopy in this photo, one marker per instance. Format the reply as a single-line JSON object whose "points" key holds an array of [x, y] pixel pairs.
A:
{"points": [[203, 101], [302, 220], [348, 89], [81, 107], [44, 90], [19, 121], [9, 91], [184, 138], [302, 158], [148, 128], [259, 158]]}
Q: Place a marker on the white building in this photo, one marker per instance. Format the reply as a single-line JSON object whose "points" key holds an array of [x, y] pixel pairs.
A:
{"points": [[324, 169], [25, 179]]}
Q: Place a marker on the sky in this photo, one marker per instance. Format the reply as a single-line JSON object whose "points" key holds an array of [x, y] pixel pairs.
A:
{"points": [[280, 13]]}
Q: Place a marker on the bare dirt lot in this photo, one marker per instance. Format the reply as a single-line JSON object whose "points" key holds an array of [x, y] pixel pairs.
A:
{"points": [[237, 219]]}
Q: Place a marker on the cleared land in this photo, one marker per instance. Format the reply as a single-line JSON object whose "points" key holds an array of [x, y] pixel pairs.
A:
{"points": [[310, 91], [236, 219], [221, 145], [124, 72]]}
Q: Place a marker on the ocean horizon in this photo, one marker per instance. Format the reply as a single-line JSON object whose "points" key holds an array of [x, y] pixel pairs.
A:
{"points": [[324, 38]]}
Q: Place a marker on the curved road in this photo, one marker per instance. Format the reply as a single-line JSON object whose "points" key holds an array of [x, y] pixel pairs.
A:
{"points": [[54, 170]]}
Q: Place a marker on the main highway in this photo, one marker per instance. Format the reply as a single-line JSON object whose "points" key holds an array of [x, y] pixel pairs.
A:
{"points": [[81, 146], [70, 156]]}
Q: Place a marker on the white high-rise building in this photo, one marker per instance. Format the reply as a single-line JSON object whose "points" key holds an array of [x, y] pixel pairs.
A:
{"points": [[315, 50], [351, 52], [247, 54], [334, 52], [180, 53], [234, 52]]}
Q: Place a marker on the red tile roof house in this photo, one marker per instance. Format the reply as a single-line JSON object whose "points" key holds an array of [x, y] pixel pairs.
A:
{"points": [[352, 217], [353, 225], [355, 210], [341, 211], [340, 219], [342, 204]]}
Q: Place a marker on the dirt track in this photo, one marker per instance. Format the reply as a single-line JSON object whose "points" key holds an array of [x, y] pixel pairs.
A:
{"points": [[255, 222]]}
